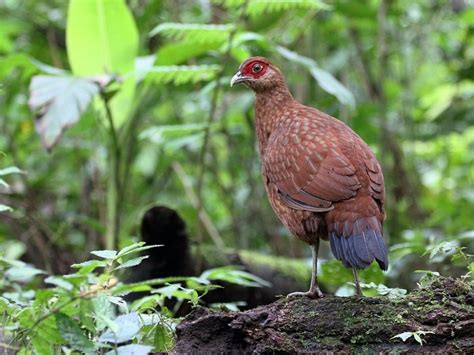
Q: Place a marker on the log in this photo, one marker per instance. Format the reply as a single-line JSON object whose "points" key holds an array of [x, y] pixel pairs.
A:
{"points": [[339, 324]]}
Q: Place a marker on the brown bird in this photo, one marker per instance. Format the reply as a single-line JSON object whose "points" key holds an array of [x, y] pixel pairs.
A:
{"points": [[322, 179]]}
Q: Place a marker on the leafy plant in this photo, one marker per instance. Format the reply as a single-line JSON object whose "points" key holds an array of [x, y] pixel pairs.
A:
{"points": [[416, 335], [86, 311], [4, 172]]}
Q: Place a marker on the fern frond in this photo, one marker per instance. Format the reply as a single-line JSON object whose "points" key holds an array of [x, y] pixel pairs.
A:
{"points": [[182, 74], [259, 7], [195, 33]]}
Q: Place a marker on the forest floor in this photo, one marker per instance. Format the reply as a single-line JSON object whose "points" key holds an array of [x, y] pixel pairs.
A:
{"points": [[441, 316]]}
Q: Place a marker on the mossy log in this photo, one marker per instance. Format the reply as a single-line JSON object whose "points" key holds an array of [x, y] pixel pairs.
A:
{"points": [[339, 324]]}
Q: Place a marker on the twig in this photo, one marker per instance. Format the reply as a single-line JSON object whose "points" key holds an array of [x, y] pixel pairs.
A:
{"points": [[114, 190], [193, 198]]}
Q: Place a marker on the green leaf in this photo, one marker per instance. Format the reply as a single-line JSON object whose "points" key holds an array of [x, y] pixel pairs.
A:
{"points": [[4, 304], [103, 311], [41, 345], [165, 133], [128, 326], [85, 311], [233, 275], [326, 80], [132, 262], [22, 273], [105, 254], [87, 267], [163, 339], [257, 8], [60, 282], [404, 336], [4, 208], [102, 37], [58, 102], [181, 74], [178, 53], [134, 349], [72, 333], [194, 33], [11, 170], [136, 248]]}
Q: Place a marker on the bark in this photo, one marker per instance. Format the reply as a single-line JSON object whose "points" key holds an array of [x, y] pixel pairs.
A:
{"points": [[337, 324]]}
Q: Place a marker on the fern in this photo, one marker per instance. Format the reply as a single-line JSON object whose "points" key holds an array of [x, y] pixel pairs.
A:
{"points": [[195, 33], [256, 8], [182, 74]]}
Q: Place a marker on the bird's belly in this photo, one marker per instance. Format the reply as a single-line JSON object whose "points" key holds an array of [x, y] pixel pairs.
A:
{"points": [[305, 225]]}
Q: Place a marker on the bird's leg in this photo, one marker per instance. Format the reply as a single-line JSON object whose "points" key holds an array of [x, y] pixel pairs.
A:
{"points": [[314, 291], [356, 282]]}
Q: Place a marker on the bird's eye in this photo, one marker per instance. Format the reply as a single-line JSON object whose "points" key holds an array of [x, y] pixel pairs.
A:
{"points": [[256, 67]]}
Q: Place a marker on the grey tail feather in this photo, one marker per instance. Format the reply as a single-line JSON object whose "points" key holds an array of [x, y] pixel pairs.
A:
{"points": [[359, 250]]}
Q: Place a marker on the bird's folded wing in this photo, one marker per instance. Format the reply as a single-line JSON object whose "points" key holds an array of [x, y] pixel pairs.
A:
{"points": [[310, 176], [374, 172]]}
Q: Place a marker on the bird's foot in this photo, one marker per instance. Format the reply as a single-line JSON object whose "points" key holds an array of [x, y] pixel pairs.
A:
{"points": [[313, 294]]}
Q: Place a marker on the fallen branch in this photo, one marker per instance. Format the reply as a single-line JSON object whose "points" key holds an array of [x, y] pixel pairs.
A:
{"points": [[440, 315]]}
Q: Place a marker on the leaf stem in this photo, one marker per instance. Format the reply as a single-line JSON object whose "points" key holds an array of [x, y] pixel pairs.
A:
{"points": [[114, 188]]}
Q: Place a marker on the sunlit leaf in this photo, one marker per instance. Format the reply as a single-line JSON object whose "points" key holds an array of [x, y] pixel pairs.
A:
{"points": [[135, 349], [102, 38], [326, 80], [58, 102], [105, 254], [128, 326]]}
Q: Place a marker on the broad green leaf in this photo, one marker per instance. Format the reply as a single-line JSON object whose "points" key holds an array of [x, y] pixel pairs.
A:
{"points": [[177, 134], [181, 74], [102, 37], [178, 53], [10, 170], [4, 208], [72, 333], [132, 262], [60, 282], [135, 349], [403, 336], [85, 312], [326, 80], [233, 275], [128, 325], [105, 254], [41, 345], [58, 102], [4, 304], [194, 32], [87, 267], [163, 338], [103, 312], [22, 273]]}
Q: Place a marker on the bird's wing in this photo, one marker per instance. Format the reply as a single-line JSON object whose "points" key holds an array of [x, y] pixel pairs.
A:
{"points": [[374, 171], [309, 172]]}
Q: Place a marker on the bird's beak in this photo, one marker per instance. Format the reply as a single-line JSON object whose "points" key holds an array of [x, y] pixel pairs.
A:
{"points": [[238, 78]]}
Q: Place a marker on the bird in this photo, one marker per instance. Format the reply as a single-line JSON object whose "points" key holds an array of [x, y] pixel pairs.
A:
{"points": [[322, 180]]}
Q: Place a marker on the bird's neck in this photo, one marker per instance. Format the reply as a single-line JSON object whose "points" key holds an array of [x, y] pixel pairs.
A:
{"points": [[271, 107]]}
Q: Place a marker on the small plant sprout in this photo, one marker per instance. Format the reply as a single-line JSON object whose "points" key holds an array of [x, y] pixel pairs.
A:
{"points": [[416, 335]]}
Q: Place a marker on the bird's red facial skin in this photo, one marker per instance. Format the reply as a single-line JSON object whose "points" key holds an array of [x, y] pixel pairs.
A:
{"points": [[255, 69]]}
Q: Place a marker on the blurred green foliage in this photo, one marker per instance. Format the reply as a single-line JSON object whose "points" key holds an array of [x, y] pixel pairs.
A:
{"points": [[400, 73]]}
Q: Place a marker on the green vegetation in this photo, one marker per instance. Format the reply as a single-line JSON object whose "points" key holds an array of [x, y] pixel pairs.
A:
{"points": [[109, 107]]}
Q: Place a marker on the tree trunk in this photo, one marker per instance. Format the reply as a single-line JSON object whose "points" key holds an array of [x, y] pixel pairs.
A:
{"points": [[339, 324]]}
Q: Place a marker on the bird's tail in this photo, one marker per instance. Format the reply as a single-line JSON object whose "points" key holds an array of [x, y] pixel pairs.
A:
{"points": [[355, 239]]}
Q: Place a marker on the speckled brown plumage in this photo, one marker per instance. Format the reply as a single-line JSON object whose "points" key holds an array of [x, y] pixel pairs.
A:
{"points": [[322, 179]]}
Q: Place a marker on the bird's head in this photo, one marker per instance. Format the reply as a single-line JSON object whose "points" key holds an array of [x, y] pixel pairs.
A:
{"points": [[259, 74]]}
